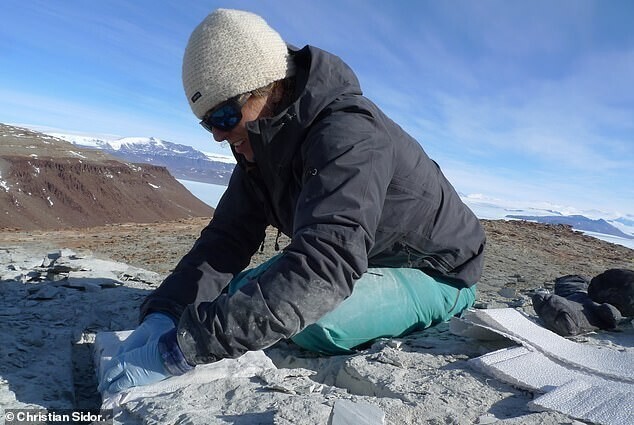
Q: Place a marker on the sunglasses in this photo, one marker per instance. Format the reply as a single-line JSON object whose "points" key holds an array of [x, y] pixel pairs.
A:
{"points": [[227, 115]]}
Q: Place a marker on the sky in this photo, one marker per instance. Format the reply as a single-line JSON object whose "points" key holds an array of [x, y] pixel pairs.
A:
{"points": [[516, 100]]}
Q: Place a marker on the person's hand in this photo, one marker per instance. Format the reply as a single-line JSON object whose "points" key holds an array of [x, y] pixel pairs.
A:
{"points": [[154, 325], [140, 366]]}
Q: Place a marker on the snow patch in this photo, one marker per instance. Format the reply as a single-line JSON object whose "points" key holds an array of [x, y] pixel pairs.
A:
{"points": [[128, 141], [220, 158], [154, 186], [89, 141], [4, 184], [76, 154]]}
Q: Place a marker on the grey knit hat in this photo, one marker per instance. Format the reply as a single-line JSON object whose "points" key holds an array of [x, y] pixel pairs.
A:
{"points": [[229, 53]]}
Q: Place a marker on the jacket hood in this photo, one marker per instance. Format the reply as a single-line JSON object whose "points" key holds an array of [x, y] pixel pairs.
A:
{"points": [[321, 77]]}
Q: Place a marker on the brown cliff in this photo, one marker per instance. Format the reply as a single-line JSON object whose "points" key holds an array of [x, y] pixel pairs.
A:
{"points": [[47, 183]]}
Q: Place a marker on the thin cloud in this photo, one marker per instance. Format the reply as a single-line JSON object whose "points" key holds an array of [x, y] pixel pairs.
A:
{"points": [[581, 191]]}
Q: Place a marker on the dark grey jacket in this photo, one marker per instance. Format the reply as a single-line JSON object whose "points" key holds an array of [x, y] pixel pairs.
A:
{"points": [[350, 188]]}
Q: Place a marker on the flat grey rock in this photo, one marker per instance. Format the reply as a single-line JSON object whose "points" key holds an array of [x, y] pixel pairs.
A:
{"points": [[347, 412]]}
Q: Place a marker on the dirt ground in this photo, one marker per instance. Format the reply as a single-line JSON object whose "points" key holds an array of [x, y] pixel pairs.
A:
{"points": [[520, 256]]}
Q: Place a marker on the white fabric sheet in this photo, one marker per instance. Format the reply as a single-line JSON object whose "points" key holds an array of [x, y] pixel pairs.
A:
{"points": [[107, 344], [586, 382]]}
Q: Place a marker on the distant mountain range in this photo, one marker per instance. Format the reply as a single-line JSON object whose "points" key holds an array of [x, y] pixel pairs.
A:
{"points": [[613, 227], [183, 162], [578, 222]]}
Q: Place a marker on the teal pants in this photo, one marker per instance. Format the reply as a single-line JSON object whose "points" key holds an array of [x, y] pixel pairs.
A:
{"points": [[385, 302]]}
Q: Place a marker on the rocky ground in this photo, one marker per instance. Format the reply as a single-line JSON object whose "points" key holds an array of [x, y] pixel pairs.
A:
{"points": [[418, 379], [521, 256]]}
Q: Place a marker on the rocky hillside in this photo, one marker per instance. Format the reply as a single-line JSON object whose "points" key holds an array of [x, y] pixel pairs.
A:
{"points": [[48, 183]]}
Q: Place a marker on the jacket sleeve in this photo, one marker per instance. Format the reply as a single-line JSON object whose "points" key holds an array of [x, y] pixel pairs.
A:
{"points": [[223, 249], [346, 174]]}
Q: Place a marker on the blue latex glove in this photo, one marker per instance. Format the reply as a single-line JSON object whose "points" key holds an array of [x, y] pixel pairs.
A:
{"points": [[140, 366], [154, 325]]}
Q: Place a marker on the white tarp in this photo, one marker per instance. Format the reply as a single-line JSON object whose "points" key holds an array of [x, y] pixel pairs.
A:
{"points": [[107, 344], [586, 382]]}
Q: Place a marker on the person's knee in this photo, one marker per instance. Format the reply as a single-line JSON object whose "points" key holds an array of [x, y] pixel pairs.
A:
{"points": [[319, 339], [414, 302]]}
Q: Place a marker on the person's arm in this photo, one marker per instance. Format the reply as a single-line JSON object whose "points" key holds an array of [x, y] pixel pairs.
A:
{"points": [[345, 181], [223, 249]]}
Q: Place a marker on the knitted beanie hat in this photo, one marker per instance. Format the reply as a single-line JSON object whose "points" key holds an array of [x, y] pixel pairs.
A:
{"points": [[229, 53]]}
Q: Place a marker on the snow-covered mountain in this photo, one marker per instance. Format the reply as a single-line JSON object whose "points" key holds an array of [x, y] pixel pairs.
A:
{"points": [[578, 222], [183, 161], [601, 224]]}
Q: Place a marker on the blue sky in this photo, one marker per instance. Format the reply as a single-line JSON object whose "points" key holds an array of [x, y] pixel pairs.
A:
{"points": [[516, 100]]}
